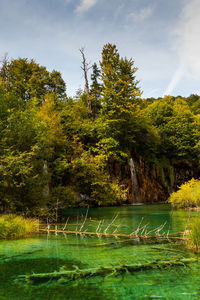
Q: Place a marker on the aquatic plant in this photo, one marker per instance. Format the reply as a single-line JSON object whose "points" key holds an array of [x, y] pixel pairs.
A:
{"points": [[194, 235], [12, 226], [188, 195]]}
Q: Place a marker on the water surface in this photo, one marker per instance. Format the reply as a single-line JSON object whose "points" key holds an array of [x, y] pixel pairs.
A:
{"points": [[47, 253]]}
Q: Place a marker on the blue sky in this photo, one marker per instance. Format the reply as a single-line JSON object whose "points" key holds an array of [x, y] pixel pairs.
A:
{"points": [[162, 37]]}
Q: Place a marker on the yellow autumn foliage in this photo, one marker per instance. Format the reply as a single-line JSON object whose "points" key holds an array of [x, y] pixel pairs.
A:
{"points": [[52, 120], [188, 195]]}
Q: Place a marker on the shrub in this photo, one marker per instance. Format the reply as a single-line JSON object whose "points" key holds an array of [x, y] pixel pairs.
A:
{"points": [[12, 226], [188, 195]]}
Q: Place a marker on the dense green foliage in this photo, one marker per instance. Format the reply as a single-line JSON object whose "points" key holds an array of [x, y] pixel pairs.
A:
{"points": [[12, 226], [179, 127], [55, 154], [188, 195]]}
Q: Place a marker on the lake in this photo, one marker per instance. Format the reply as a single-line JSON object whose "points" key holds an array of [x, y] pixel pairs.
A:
{"points": [[44, 253]]}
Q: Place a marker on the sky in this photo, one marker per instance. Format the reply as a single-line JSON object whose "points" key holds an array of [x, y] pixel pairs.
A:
{"points": [[162, 37]]}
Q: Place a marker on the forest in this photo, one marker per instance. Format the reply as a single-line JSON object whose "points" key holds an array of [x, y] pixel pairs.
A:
{"points": [[105, 146]]}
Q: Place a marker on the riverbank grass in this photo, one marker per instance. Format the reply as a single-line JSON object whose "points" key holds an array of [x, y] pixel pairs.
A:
{"points": [[194, 235], [12, 226]]}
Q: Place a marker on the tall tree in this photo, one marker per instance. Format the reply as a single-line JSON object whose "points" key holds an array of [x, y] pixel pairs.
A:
{"points": [[95, 89], [118, 76], [120, 97]]}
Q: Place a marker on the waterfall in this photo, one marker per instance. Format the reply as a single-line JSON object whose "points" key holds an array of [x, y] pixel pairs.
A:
{"points": [[46, 188], [134, 181]]}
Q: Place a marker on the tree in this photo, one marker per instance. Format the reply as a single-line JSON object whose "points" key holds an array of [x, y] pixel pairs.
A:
{"points": [[50, 117], [194, 103], [95, 89], [121, 103], [4, 68], [27, 79], [177, 127], [31, 141], [21, 166], [85, 67], [119, 87]]}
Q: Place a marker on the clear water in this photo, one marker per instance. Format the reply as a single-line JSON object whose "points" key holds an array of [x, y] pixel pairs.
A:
{"points": [[47, 253]]}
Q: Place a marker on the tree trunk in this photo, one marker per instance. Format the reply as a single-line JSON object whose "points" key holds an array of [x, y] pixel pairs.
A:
{"points": [[85, 67]]}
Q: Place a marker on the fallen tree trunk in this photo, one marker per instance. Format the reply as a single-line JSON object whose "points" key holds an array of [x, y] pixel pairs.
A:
{"points": [[64, 276], [163, 236]]}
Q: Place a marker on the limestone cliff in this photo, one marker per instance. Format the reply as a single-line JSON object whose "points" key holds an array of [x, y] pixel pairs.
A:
{"points": [[153, 182]]}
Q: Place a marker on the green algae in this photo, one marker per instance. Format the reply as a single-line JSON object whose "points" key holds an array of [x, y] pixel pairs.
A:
{"points": [[64, 275]]}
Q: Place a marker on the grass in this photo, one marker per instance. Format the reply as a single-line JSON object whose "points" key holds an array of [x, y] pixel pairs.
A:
{"points": [[194, 235], [12, 226]]}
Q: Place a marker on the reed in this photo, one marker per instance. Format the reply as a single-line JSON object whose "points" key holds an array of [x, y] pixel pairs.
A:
{"points": [[12, 226], [194, 236]]}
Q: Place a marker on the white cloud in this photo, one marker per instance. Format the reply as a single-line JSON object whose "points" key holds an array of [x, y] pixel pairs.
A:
{"points": [[187, 45], [175, 80], [142, 14], [85, 5]]}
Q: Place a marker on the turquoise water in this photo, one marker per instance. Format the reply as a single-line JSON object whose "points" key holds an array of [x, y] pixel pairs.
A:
{"points": [[47, 253]]}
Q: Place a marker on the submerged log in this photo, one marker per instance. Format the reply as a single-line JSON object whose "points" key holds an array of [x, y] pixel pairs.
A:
{"points": [[64, 276]]}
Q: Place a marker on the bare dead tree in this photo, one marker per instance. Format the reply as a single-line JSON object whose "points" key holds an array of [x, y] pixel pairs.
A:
{"points": [[85, 67]]}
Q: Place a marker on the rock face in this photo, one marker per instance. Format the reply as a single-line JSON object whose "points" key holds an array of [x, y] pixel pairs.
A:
{"points": [[153, 183]]}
